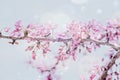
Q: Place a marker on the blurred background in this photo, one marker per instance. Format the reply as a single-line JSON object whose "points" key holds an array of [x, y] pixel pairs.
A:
{"points": [[13, 58]]}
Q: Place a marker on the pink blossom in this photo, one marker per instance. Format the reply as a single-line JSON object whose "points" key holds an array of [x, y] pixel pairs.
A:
{"points": [[7, 29], [33, 55], [18, 23], [29, 48], [92, 77], [17, 31], [89, 49]]}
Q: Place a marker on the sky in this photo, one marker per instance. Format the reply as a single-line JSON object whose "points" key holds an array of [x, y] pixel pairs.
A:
{"points": [[13, 58]]}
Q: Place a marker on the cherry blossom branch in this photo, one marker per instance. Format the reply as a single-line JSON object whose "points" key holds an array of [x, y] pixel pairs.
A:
{"points": [[101, 43], [114, 58], [110, 64], [57, 40]]}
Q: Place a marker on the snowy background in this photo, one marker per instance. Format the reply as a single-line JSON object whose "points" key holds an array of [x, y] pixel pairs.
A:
{"points": [[13, 58]]}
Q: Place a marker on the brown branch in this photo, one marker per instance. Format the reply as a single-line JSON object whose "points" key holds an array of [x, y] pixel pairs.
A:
{"points": [[102, 43], [58, 40], [110, 64], [37, 39]]}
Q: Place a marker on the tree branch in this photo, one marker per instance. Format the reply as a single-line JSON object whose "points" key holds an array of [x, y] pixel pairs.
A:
{"points": [[37, 39], [102, 43], [110, 64], [58, 40]]}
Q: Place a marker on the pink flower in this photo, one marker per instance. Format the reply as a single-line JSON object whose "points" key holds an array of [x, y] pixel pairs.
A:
{"points": [[82, 77], [17, 31], [88, 49], [18, 24], [33, 55], [7, 29], [29, 48], [92, 77], [114, 22]]}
